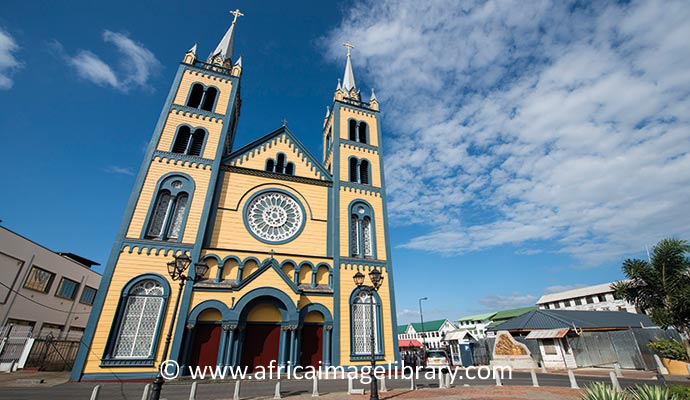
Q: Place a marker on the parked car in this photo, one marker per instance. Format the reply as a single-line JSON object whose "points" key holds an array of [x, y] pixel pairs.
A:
{"points": [[437, 358]]}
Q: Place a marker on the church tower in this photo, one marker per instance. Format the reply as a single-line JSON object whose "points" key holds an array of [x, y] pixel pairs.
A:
{"points": [[278, 233], [352, 153]]}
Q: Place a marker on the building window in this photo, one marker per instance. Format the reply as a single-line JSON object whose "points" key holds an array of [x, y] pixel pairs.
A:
{"points": [[601, 298], [549, 347], [280, 166], [188, 142], [362, 326], [589, 299], [202, 97], [361, 231], [39, 280], [556, 305], [359, 171], [169, 212], [578, 302], [88, 295], [67, 289], [137, 324], [353, 130], [358, 131]]}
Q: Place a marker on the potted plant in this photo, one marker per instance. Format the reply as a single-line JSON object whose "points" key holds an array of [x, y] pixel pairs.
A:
{"points": [[672, 354]]}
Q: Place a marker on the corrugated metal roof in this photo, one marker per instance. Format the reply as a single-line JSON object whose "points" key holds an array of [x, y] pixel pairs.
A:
{"points": [[547, 333], [554, 319], [429, 326], [409, 343], [513, 313], [402, 329], [478, 317]]}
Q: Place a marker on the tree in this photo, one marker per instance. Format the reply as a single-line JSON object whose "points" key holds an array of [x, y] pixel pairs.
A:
{"points": [[661, 285]]}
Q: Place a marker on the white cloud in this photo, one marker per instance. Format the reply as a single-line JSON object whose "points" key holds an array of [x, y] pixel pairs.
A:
{"points": [[543, 121], [136, 64], [8, 61], [500, 302], [114, 169]]}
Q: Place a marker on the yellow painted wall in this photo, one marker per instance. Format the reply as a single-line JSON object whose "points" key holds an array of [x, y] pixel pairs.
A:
{"points": [[264, 312], [314, 317], [210, 315], [213, 126], [146, 197], [347, 112], [346, 197], [230, 232], [128, 267], [189, 77], [347, 285], [280, 144]]}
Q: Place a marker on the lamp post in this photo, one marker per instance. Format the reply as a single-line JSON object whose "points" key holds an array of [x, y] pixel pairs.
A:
{"points": [[421, 317], [176, 270], [376, 281]]}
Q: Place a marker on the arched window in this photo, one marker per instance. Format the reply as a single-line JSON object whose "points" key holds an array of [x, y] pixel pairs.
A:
{"points": [[280, 163], [362, 244], [270, 165], [362, 132], [169, 211], [364, 172], [353, 170], [289, 169], [353, 130], [195, 95], [209, 99], [189, 143], [138, 320], [362, 306]]}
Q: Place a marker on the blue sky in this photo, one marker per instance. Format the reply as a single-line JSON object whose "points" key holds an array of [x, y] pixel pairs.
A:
{"points": [[530, 146]]}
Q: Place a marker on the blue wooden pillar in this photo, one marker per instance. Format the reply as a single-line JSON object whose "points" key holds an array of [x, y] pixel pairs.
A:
{"points": [[282, 346], [184, 357], [296, 275], [222, 346], [229, 344], [219, 274], [327, 330], [313, 279]]}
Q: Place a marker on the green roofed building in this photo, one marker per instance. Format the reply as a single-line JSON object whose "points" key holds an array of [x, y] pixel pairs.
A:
{"points": [[433, 332], [477, 325]]}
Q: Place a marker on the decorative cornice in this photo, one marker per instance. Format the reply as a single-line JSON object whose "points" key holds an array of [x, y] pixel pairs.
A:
{"points": [[155, 247], [358, 107], [197, 113], [349, 144], [177, 158], [214, 72], [361, 263], [360, 189], [273, 175]]}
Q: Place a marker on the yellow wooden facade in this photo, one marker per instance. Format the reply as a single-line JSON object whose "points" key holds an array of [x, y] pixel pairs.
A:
{"points": [[294, 283]]}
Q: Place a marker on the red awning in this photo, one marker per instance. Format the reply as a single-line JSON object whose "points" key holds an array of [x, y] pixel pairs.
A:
{"points": [[409, 343]]}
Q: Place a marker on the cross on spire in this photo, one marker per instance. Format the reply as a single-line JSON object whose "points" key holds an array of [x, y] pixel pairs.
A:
{"points": [[349, 46], [237, 14], [284, 121]]}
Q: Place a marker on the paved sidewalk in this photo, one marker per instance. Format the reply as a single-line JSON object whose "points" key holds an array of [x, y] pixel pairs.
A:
{"points": [[28, 378]]}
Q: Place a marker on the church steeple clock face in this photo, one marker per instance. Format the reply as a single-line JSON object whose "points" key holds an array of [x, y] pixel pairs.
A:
{"points": [[274, 217]]}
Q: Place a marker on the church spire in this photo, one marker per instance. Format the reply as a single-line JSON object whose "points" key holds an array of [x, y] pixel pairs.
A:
{"points": [[224, 48], [349, 77]]}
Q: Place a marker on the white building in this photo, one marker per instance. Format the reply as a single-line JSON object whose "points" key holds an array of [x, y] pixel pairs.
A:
{"points": [[432, 335], [593, 298]]}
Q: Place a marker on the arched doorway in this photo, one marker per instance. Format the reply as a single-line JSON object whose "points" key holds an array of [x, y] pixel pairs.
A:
{"points": [[261, 335], [206, 339], [311, 340]]}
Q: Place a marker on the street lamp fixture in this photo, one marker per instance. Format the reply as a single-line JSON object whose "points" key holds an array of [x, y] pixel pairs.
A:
{"points": [[422, 334], [176, 270], [376, 280]]}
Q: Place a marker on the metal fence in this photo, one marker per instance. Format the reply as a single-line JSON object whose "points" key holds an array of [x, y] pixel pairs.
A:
{"points": [[49, 354], [628, 348], [13, 339], [482, 350]]}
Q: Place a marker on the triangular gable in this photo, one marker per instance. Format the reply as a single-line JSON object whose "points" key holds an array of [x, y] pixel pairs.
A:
{"points": [[255, 154], [271, 265]]}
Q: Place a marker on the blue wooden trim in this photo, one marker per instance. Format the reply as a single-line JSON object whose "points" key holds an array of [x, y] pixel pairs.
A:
{"points": [[198, 111], [206, 212], [251, 147], [289, 311], [364, 188], [263, 267], [327, 317], [361, 146], [107, 359], [334, 220], [192, 130], [368, 212], [380, 349], [109, 269], [285, 192], [164, 183], [119, 377], [388, 255], [154, 246], [206, 305]]}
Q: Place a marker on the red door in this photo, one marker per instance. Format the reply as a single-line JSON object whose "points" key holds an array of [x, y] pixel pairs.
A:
{"points": [[261, 345], [311, 345], [206, 345]]}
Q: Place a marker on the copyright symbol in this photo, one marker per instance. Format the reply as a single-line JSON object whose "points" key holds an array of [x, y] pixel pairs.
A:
{"points": [[170, 369]]}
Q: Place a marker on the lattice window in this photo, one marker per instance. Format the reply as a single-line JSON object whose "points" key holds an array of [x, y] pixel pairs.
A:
{"points": [[166, 220], [140, 321], [178, 216], [354, 235], [366, 236], [363, 324]]}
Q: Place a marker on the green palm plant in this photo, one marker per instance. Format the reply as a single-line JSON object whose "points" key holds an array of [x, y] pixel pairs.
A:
{"points": [[651, 392], [601, 391], [661, 285]]}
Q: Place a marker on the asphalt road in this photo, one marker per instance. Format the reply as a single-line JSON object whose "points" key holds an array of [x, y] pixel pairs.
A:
{"points": [[209, 390]]}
